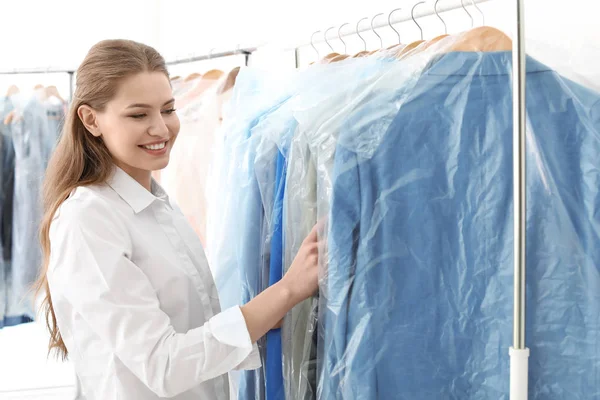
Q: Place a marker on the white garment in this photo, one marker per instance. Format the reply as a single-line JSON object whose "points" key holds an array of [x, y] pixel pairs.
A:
{"points": [[135, 301]]}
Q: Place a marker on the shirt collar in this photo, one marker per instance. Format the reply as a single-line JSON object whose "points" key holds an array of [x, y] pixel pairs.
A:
{"points": [[135, 194]]}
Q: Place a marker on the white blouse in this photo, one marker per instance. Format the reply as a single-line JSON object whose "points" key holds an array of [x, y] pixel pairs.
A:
{"points": [[135, 300]]}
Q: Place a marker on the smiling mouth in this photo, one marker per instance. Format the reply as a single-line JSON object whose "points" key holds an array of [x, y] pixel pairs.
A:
{"points": [[154, 147]]}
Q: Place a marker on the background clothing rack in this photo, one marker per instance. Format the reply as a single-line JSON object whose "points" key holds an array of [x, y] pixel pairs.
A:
{"points": [[23, 71], [203, 57]]}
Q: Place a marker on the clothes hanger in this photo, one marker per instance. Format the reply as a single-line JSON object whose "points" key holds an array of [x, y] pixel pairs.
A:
{"points": [[333, 53], [12, 90], [482, 39], [53, 91], [416, 43], [345, 55], [192, 76], [394, 29], [364, 52], [436, 39], [176, 77], [376, 34], [313, 46], [229, 82]]}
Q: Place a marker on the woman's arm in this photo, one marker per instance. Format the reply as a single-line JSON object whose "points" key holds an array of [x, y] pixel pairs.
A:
{"points": [[93, 281], [301, 281]]}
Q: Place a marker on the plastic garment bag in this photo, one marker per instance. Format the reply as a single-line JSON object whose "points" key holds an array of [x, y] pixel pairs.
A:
{"points": [[416, 299], [236, 222], [276, 130], [312, 146]]}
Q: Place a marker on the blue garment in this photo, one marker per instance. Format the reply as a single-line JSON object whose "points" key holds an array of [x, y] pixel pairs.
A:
{"points": [[274, 366], [420, 244]]}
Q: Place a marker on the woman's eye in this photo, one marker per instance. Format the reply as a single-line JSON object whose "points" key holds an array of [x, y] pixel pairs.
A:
{"points": [[169, 111], [138, 116]]}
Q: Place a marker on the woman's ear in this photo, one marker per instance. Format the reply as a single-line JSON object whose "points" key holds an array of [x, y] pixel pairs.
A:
{"points": [[88, 117]]}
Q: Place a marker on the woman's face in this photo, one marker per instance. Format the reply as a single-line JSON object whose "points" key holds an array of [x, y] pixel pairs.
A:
{"points": [[139, 125]]}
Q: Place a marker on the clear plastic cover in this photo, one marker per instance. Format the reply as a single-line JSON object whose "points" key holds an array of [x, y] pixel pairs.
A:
{"points": [[408, 157]]}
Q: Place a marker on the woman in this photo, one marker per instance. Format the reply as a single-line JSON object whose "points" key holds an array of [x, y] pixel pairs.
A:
{"points": [[129, 295]]}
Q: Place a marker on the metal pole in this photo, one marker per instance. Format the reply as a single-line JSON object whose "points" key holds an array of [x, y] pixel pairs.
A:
{"points": [[519, 354], [520, 184], [71, 84]]}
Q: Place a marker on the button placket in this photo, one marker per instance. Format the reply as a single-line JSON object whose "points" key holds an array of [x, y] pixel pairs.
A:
{"points": [[166, 223]]}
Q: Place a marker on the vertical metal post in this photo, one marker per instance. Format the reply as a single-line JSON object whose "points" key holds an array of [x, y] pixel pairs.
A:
{"points": [[520, 184], [519, 354], [71, 84]]}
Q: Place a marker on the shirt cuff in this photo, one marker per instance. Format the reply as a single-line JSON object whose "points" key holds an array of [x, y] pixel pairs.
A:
{"points": [[229, 327], [252, 362]]}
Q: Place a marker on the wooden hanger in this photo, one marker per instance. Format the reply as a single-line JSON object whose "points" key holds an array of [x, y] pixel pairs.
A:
{"points": [[53, 91], [482, 39], [230, 80], [213, 74], [176, 77], [340, 58], [12, 90], [410, 47], [333, 54], [328, 58], [192, 76], [9, 118], [363, 53]]}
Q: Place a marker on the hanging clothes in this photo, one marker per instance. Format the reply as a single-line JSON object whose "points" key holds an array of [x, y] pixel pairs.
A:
{"points": [[420, 241], [7, 177], [28, 141], [410, 162]]}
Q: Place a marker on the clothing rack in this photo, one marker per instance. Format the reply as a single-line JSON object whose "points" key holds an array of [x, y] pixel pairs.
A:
{"points": [[211, 55], [24, 71], [404, 14]]}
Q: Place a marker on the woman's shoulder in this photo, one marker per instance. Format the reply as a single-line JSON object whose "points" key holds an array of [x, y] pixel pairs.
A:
{"points": [[88, 203]]}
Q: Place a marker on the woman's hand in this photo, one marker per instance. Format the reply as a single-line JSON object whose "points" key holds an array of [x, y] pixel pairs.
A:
{"points": [[267, 309], [302, 279]]}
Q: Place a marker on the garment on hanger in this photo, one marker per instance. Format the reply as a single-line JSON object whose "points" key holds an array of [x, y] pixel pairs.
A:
{"points": [[7, 179], [410, 163], [27, 144], [420, 240]]}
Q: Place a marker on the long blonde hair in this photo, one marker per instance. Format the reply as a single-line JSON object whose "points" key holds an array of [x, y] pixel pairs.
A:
{"points": [[81, 159]]}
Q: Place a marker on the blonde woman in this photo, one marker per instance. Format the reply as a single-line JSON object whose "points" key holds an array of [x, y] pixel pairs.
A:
{"points": [[129, 294]]}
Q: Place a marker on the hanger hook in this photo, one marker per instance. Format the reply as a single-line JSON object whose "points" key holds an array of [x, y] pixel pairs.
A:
{"points": [[392, 26], [313, 45], [358, 32], [468, 13], [412, 15], [326, 41], [340, 36], [375, 32], [210, 53], [438, 15], [480, 12]]}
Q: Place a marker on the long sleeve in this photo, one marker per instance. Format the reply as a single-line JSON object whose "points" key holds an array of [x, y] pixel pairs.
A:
{"points": [[92, 278]]}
